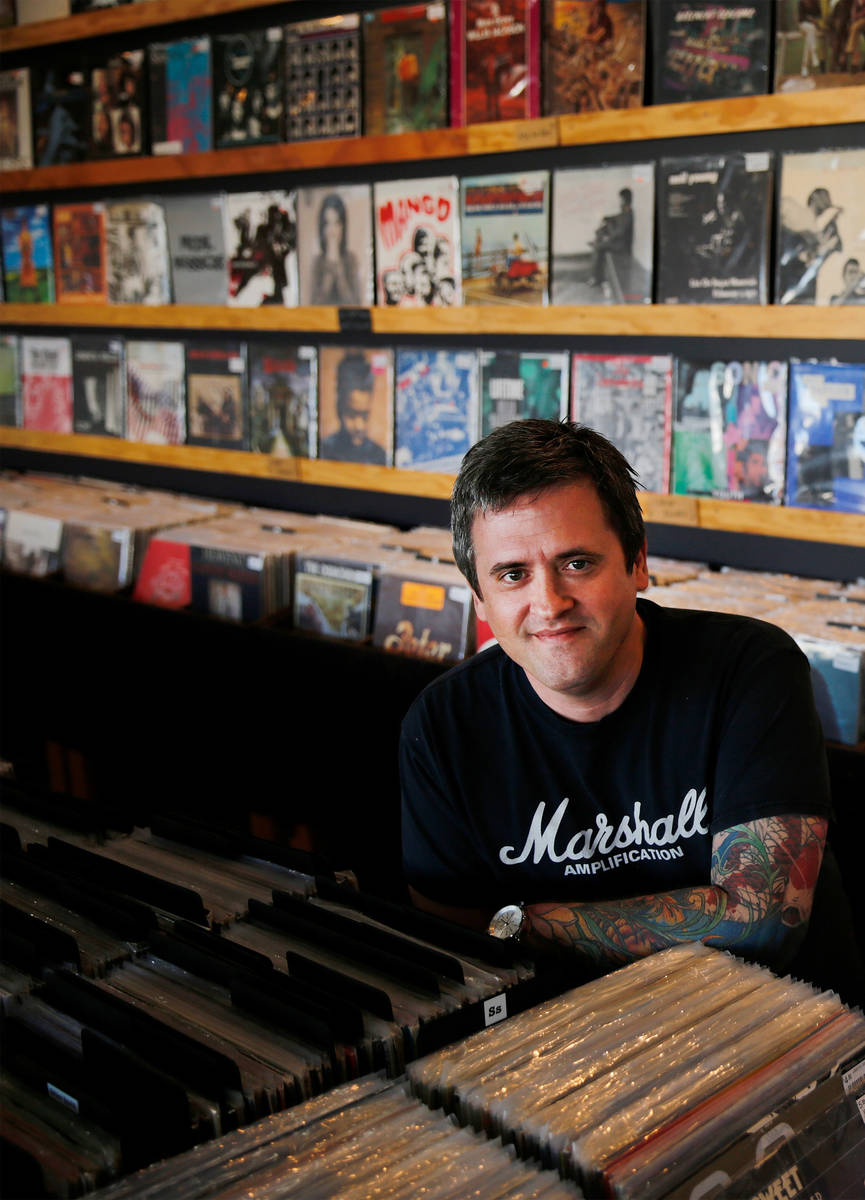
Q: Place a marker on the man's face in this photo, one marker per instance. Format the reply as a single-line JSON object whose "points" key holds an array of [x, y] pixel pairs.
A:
{"points": [[756, 470], [559, 599], [851, 273], [355, 416]]}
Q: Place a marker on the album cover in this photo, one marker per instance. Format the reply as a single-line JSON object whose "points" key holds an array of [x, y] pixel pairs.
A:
{"points": [[216, 394], [248, 87], [594, 55], [495, 60], [155, 392], [28, 11], [96, 555], [99, 385], [181, 87], [820, 253], [436, 408], [61, 113], [714, 220], [261, 242], [818, 45], [31, 542], [504, 228], [28, 259], [119, 106], [80, 253], [46, 384], [423, 612], [515, 384], [629, 399], [355, 399], [405, 81], [602, 238], [730, 430], [16, 147], [417, 242], [826, 443], [196, 247], [322, 80], [283, 400], [703, 50], [333, 595], [10, 388], [137, 253], [334, 245]]}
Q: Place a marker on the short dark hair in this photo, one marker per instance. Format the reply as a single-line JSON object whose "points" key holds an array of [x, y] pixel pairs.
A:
{"points": [[354, 374], [526, 458]]}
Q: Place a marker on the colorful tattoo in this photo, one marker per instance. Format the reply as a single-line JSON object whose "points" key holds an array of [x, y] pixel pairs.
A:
{"points": [[758, 903]]}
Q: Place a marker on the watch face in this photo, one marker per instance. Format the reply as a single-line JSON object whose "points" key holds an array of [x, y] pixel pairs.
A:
{"points": [[507, 922]]}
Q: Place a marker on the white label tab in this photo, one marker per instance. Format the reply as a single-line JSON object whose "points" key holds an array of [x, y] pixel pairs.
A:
{"points": [[495, 1009]]}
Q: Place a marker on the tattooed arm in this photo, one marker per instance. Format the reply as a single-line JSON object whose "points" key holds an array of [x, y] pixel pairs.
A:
{"points": [[757, 904]]}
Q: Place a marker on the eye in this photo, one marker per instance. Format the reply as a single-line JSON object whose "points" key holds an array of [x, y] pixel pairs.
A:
{"points": [[512, 576], [578, 564]]}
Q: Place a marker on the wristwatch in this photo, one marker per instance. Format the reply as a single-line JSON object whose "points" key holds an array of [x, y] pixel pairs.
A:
{"points": [[509, 922]]}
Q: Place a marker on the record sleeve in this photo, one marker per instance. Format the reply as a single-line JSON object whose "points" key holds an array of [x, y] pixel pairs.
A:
{"points": [[119, 106], [322, 78], [181, 87], [594, 55], [28, 258], [137, 253], [155, 393], [335, 245], [356, 404], [216, 394], [603, 226], [826, 448], [333, 595], [820, 255], [405, 68], [436, 408], [495, 67], [99, 385], [16, 147], [248, 87], [31, 542], [46, 384], [629, 399], [714, 218], [504, 229], [261, 240], [730, 430], [196, 248], [417, 242], [61, 113], [706, 51], [816, 45], [423, 612], [10, 387], [28, 11], [516, 384], [283, 400], [79, 253]]}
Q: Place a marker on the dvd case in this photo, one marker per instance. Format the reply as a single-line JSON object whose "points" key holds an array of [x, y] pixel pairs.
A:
{"points": [[629, 399], [820, 252], [335, 245], [515, 384], [196, 247], [405, 68], [436, 408], [417, 242], [80, 252], [603, 234], [137, 253], [703, 50], [504, 228], [248, 87], [216, 394], [28, 257], [46, 384], [181, 87], [594, 55], [495, 68], [714, 221], [99, 385], [16, 145], [826, 445], [155, 392], [322, 88], [730, 430], [356, 404], [261, 241]]}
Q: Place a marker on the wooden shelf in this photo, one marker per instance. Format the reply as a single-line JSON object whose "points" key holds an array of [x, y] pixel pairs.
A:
{"points": [[802, 524], [634, 320], [102, 21], [833, 106]]}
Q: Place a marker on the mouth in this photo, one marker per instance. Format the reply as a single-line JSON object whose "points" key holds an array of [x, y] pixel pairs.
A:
{"points": [[553, 635]]}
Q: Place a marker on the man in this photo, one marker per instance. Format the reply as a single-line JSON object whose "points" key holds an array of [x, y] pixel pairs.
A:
{"points": [[614, 235], [630, 776], [852, 284], [354, 404]]}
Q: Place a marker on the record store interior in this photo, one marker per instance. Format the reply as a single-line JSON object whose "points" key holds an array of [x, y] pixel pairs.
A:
{"points": [[338, 857]]}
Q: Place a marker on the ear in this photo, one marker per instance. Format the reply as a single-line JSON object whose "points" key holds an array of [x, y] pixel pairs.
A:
{"points": [[480, 607], [641, 568]]}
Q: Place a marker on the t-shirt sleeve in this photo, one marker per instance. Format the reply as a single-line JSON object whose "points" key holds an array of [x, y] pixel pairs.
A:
{"points": [[771, 758]]}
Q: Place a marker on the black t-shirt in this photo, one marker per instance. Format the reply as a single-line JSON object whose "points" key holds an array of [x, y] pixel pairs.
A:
{"points": [[505, 800]]}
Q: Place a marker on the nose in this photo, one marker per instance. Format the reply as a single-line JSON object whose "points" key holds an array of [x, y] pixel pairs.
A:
{"points": [[550, 595]]}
